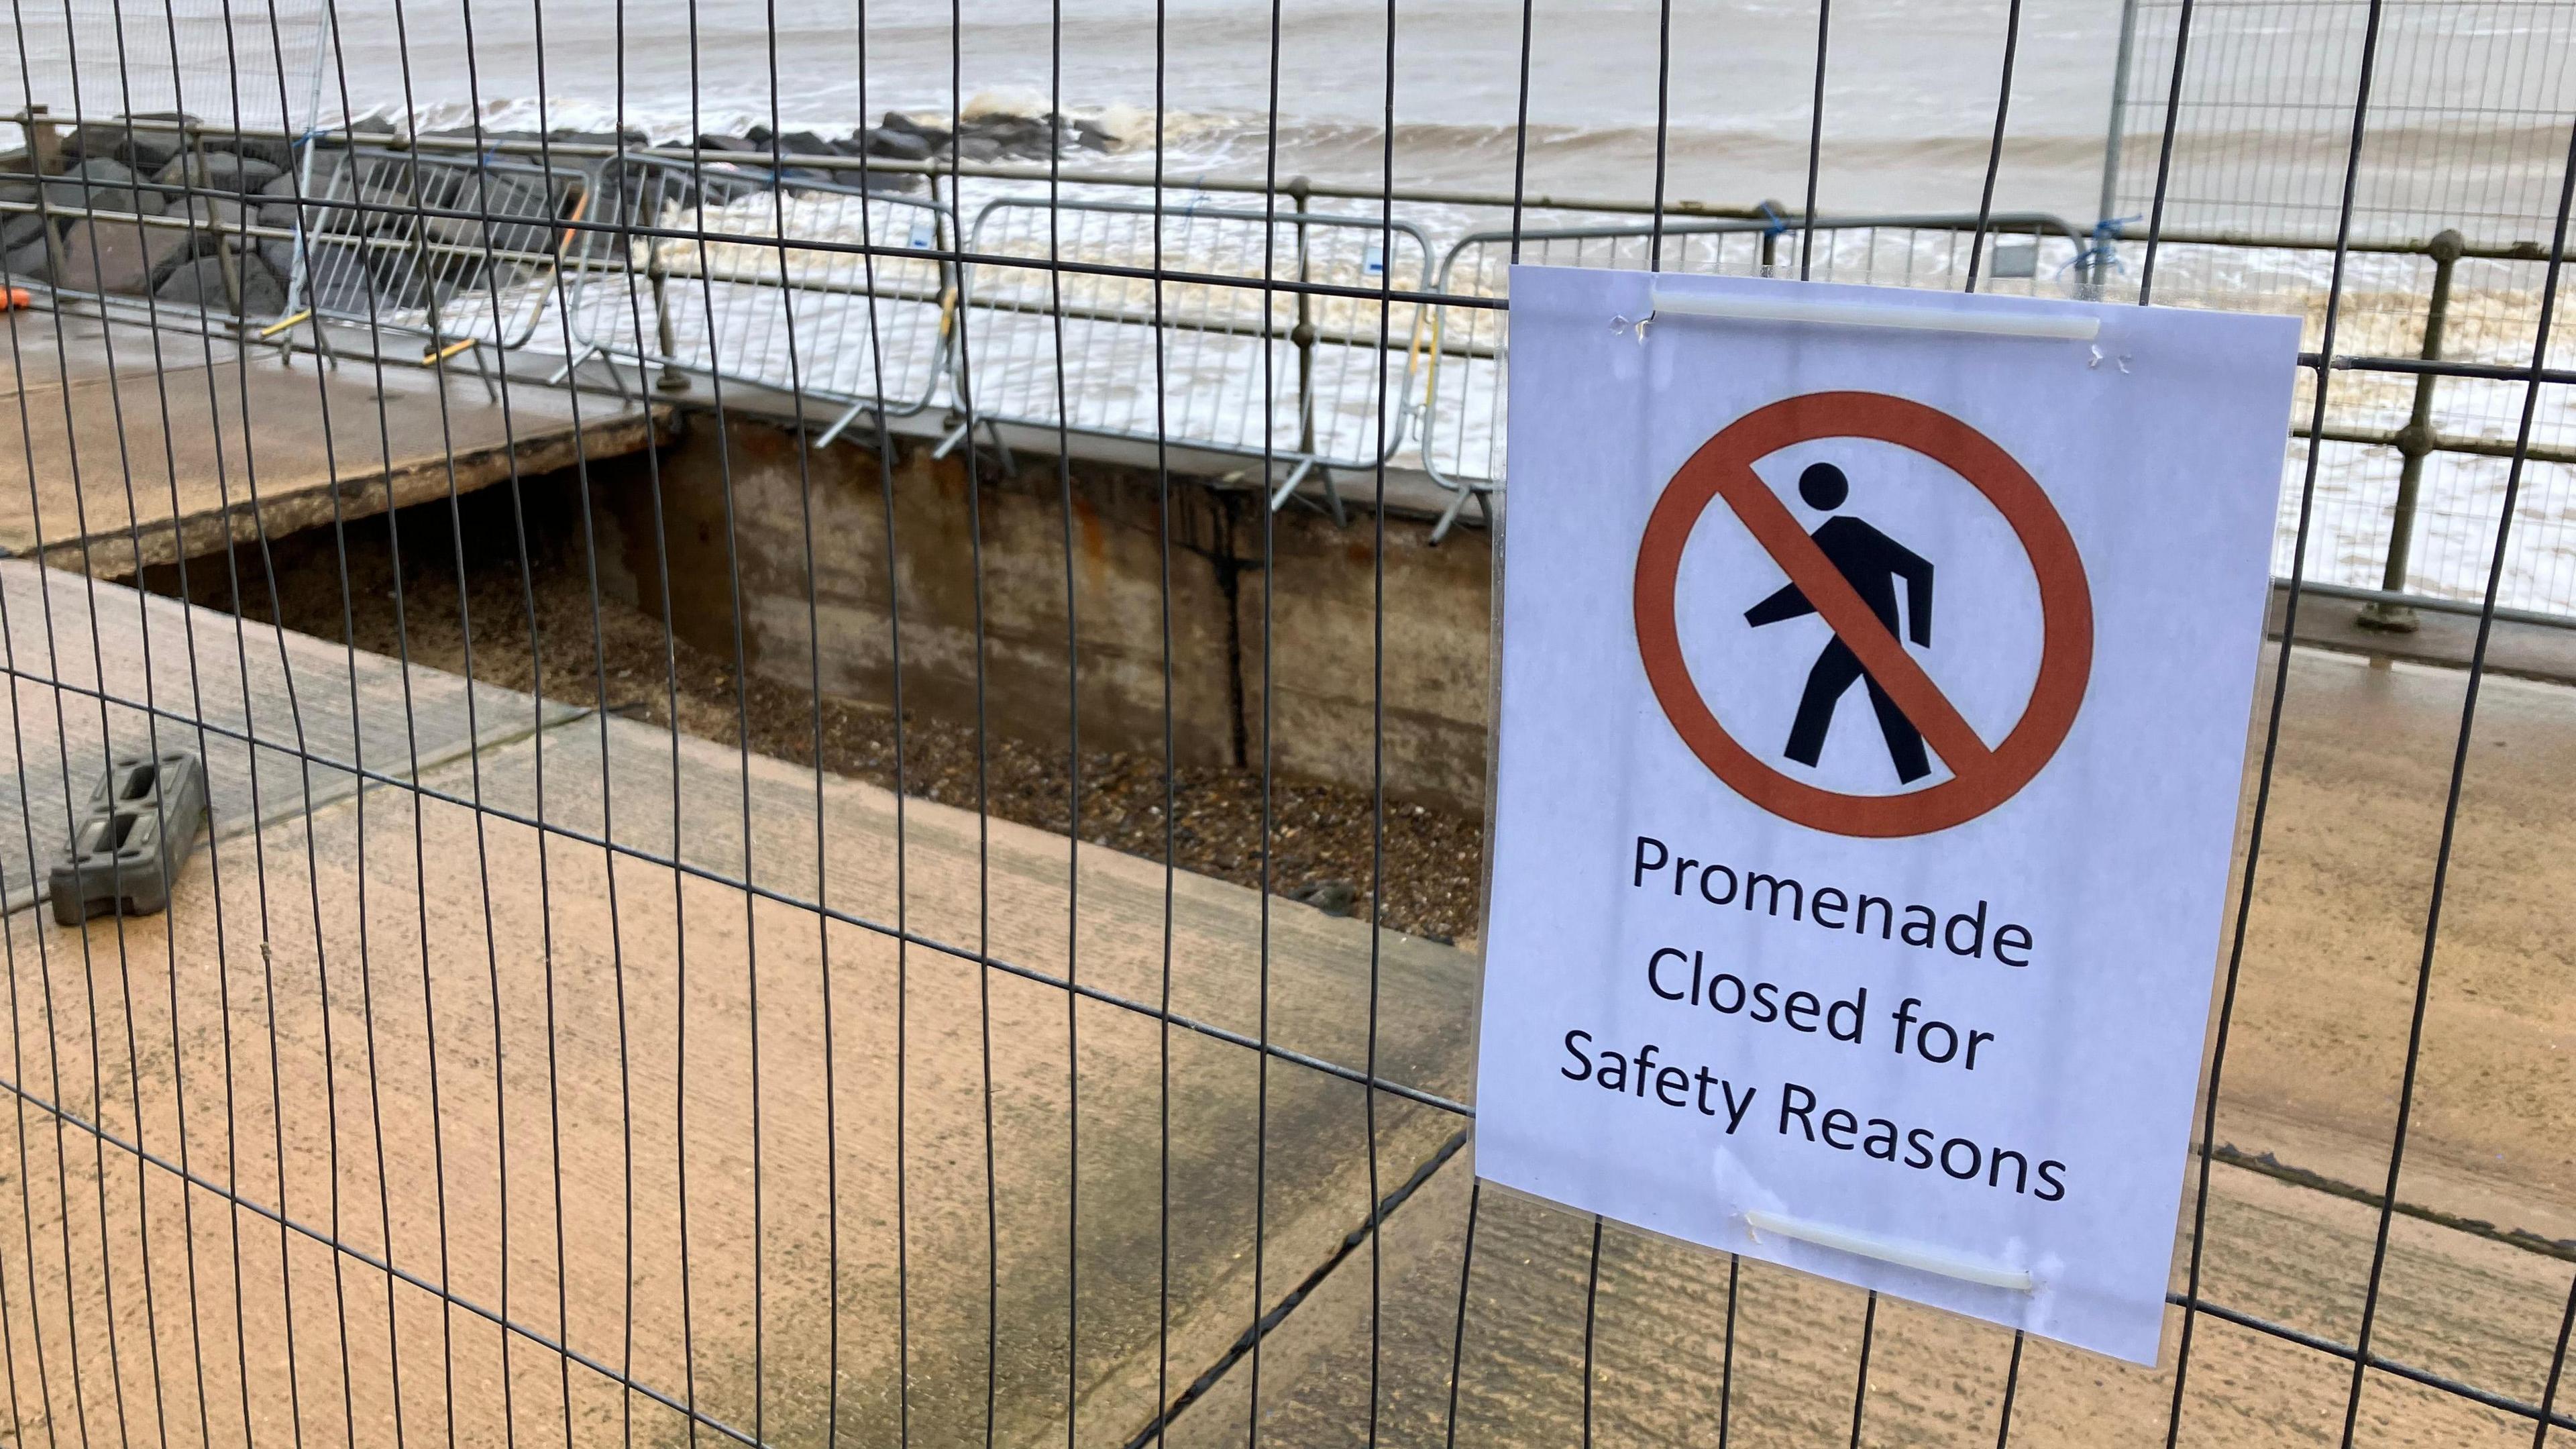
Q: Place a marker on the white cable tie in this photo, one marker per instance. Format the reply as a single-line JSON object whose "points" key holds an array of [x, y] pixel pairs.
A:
{"points": [[1891, 1250], [2058, 326]]}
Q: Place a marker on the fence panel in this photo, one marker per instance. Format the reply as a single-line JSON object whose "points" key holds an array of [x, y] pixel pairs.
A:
{"points": [[456, 249], [1464, 411], [719, 285], [794, 946], [1308, 379], [2470, 103]]}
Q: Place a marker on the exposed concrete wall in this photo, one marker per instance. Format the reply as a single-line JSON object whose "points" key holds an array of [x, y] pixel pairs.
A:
{"points": [[1436, 616]]}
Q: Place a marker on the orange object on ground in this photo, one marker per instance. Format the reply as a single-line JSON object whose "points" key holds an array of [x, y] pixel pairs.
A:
{"points": [[13, 298]]}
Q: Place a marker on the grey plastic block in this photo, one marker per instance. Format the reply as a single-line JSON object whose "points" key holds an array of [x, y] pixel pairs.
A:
{"points": [[139, 828]]}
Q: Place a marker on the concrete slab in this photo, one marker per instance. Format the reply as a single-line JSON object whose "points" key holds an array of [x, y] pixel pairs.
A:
{"points": [[2517, 647], [131, 443], [1664, 1372], [485, 1047], [2334, 944], [479, 1049], [283, 720]]}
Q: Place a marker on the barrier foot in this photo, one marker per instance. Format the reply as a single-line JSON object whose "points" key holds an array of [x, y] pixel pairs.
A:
{"points": [[1457, 506], [563, 374], [840, 425], [1279, 496], [1002, 450]]}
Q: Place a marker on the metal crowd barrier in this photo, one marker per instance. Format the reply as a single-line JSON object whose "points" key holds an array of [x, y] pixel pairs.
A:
{"points": [[367, 247], [1464, 397], [1305, 380], [1300, 379], [371, 246], [869, 333]]}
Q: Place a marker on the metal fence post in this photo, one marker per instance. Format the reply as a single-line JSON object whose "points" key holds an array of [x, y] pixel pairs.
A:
{"points": [[2413, 442], [664, 342], [45, 154], [1303, 334], [198, 179]]}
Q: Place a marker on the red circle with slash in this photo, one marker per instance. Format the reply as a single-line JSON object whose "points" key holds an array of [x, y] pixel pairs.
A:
{"points": [[1980, 778]]}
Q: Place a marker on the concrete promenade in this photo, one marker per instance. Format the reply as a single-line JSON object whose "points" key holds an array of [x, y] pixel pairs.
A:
{"points": [[130, 443]]}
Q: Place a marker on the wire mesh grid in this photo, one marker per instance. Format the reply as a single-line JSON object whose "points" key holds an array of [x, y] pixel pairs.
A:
{"points": [[259, 67], [1219, 361], [512, 1067], [2469, 101]]}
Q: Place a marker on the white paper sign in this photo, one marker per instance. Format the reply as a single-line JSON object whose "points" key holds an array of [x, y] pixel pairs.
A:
{"points": [[1873, 710]]}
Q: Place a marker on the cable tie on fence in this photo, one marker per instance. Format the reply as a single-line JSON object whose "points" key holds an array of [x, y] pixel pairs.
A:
{"points": [[1771, 213], [2104, 247]]}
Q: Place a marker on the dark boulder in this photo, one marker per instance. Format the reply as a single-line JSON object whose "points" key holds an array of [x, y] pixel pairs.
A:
{"points": [[1011, 135], [509, 213], [200, 283], [31, 261], [117, 257], [341, 285], [21, 229], [892, 144], [100, 185], [219, 171], [17, 228], [931, 136], [93, 170], [271, 150], [278, 252], [145, 150]]}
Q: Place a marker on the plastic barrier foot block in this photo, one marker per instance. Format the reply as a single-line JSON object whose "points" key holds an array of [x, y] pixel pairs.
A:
{"points": [[139, 828]]}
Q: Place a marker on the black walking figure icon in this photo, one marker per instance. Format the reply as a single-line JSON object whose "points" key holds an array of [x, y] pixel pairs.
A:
{"points": [[1871, 563]]}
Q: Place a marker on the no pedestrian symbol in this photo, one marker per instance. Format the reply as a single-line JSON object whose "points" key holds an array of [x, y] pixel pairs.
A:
{"points": [[1828, 574]]}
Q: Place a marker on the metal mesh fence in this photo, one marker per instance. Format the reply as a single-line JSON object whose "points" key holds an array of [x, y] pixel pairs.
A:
{"points": [[2469, 101], [951, 920]]}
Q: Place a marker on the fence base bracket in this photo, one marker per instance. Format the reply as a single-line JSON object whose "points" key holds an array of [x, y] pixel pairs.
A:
{"points": [[138, 830]]}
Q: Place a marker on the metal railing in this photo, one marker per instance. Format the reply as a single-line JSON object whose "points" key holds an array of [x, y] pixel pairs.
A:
{"points": [[1463, 408], [2400, 505]]}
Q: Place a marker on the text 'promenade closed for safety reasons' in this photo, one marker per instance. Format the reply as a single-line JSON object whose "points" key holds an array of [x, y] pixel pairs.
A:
{"points": [[1876, 670]]}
